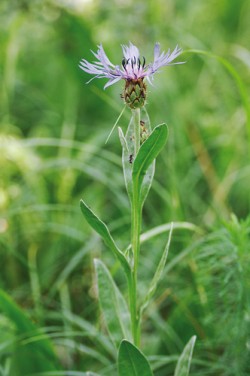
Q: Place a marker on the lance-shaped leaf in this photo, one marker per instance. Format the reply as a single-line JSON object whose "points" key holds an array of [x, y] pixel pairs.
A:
{"points": [[149, 175], [127, 143], [184, 362], [103, 231], [128, 154], [147, 153], [158, 273], [113, 305], [131, 361]]}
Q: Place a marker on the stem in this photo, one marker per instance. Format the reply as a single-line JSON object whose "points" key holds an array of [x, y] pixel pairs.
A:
{"points": [[136, 213], [137, 118], [135, 241]]}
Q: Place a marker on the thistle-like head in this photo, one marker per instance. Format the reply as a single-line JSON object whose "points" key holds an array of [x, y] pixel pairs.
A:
{"points": [[133, 70]]}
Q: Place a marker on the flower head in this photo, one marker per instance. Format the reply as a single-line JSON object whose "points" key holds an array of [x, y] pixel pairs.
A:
{"points": [[133, 69]]}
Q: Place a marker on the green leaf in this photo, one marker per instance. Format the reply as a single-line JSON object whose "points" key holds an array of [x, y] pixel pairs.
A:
{"points": [[127, 143], [147, 153], [158, 273], [184, 362], [113, 305], [128, 156], [149, 175], [122, 139], [103, 231], [131, 361], [30, 348]]}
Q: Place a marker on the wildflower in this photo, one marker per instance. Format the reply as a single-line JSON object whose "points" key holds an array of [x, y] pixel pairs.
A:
{"points": [[133, 70]]}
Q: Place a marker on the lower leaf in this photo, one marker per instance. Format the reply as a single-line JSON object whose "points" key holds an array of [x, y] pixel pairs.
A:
{"points": [[131, 361]]}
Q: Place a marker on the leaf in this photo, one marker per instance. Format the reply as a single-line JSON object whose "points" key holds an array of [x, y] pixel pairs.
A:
{"points": [[184, 362], [101, 228], [31, 349], [128, 156], [158, 273], [122, 139], [131, 361], [149, 175], [113, 305], [147, 153]]}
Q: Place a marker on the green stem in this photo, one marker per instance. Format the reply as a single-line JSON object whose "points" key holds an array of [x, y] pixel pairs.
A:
{"points": [[135, 241], [137, 118], [136, 213]]}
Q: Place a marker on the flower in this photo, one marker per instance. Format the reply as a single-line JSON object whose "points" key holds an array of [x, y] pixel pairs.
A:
{"points": [[133, 70]]}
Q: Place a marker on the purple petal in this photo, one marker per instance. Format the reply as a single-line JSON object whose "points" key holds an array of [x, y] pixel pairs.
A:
{"points": [[132, 68], [163, 59], [131, 51], [112, 81], [102, 57]]}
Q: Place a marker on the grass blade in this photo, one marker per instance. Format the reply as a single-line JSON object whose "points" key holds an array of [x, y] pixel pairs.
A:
{"points": [[39, 353], [158, 273], [184, 362]]}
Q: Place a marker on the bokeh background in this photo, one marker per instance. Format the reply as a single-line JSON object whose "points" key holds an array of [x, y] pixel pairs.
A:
{"points": [[53, 152]]}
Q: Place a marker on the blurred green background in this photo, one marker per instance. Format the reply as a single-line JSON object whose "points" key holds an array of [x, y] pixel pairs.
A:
{"points": [[53, 152]]}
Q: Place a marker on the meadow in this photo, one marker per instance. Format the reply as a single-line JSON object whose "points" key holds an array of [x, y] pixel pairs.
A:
{"points": [[53, 154]]}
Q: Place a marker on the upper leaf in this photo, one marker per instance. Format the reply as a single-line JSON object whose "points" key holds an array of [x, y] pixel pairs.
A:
{"points": [[128, 154], [147, 153], [149, 175], [127, 142]]}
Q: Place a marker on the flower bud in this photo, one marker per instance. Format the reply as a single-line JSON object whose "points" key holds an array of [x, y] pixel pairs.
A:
{"points": [[135, 93]]}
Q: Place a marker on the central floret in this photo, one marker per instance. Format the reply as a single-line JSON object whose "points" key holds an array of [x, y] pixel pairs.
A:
{"points": [[134, 67]]}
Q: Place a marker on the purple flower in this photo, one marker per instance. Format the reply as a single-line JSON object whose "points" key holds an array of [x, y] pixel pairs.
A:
{"points": [[132, 67]]}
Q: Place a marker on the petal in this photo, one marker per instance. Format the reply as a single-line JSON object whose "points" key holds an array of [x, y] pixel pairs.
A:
{"points": [[163, 59], [156, 50], [131, 51], [102, 57], [112, 81]]}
